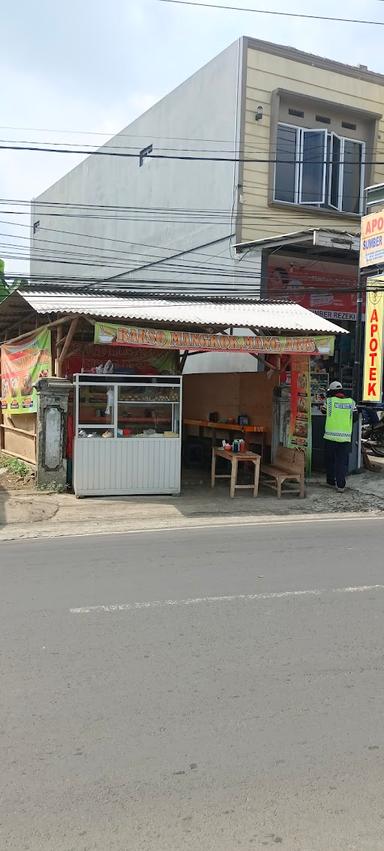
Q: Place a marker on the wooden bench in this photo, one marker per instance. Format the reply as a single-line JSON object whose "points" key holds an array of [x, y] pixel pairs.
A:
{"points": [[288, 466], [235, 458]]}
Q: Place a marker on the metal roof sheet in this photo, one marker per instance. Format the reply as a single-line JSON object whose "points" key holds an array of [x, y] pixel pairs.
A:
{"points": [[283, 316], [329, 238]]}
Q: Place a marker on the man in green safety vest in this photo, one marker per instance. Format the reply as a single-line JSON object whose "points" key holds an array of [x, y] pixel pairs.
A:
{"points": [[339, 411]]}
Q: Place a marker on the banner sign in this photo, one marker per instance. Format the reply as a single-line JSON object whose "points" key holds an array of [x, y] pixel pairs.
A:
{"points": [[372, 240], [22, 364], [373, 346], [124, 335], [326, 288], [300, 428]]}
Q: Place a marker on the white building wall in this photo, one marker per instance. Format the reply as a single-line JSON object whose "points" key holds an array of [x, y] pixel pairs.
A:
{"points": [[162, 208], [213, 268], [222, 361]]}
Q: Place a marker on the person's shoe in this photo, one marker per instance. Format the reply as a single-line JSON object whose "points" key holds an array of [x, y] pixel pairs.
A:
{"points": [[331, 484], [341, 490]]}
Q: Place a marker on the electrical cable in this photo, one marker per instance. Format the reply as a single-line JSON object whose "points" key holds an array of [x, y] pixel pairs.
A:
{"points": [[121, 134], [259, 148], [182, 157], [272, 12]]}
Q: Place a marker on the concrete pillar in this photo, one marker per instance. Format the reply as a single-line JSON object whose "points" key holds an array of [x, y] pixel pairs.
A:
{"points": [[52, 408]]}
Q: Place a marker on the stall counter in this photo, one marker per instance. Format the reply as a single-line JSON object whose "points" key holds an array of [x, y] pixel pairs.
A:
{"points": [[127, 435]]}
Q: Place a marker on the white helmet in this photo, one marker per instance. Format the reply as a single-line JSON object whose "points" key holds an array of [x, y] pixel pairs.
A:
{"points": [[335, 385]]}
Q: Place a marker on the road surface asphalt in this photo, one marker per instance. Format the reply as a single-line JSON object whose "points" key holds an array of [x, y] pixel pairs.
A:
{"points": [[171, 690]]}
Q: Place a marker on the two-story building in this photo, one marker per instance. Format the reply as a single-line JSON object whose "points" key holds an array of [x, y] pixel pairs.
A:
{"points": [[246, 179]]}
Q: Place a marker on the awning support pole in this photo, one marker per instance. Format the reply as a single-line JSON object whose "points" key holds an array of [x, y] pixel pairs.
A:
{"points": [[183, 360], [67, 344]]}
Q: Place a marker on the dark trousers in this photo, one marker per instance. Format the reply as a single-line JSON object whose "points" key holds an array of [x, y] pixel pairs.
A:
{"points": [[336, 462]]}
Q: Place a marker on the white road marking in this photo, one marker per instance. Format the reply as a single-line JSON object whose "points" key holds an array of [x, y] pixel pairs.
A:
{"points": [[228, 598]]}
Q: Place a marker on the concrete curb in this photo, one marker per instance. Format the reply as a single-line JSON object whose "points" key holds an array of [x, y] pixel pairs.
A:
{"points": [[17, 532]]}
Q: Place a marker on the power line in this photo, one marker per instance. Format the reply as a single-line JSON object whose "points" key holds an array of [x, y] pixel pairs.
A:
{"points": [[183, 157], [273, 12], [265, 218], [280, 143], [260, 147], [112, 134], [108, 147], [306, 289], [147, 254], [258, 292], [12, 251], [114, 212]]}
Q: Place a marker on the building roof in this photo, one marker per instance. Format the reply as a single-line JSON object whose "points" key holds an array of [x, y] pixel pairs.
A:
{"points": [[275, 316], [323, 239]]}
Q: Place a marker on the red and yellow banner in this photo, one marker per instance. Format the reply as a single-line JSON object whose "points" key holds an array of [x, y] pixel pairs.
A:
{"points": [[373, 347], [22, 364], [300, 425], [124, 335]]}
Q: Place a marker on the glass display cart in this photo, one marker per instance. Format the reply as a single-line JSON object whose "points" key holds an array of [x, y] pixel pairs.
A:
{"points": [[127, 435]]}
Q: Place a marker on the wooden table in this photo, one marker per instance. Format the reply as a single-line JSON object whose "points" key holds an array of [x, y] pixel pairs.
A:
{"points": [[235, 458], [231, 428]]}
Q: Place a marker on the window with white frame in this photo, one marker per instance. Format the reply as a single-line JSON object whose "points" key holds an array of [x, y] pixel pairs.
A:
{"points": [[319, 168]]}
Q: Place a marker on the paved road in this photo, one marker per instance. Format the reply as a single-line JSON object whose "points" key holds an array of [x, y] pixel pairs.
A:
{"points": [[251, 720]]}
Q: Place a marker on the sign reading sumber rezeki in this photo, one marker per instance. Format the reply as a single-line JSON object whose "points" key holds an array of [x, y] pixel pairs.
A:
{"points": [[372, 240], [373, 348]]}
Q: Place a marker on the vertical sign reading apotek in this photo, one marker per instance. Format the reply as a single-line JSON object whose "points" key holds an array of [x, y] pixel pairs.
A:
{"points": [[373, 348]]}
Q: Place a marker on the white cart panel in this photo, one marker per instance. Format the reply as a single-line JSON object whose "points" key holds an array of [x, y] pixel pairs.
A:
{"points": [[114, 466]]}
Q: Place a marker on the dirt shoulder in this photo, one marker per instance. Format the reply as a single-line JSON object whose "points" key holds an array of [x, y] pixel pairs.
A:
{"points": [[31, 514]]}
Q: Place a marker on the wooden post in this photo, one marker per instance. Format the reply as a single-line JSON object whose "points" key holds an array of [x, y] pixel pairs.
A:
{"points": [[67, 344], [57, 338], [183, 360], [57, 322], [234, 463]]}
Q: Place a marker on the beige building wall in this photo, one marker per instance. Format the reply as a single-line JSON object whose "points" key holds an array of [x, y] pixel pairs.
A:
{"points": [[267, 74]]}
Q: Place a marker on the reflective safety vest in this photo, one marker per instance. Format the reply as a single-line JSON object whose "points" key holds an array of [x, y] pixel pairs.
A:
{"points": [[339, 421]]}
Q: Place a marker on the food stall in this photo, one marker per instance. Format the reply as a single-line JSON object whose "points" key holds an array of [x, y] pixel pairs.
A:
{"points": [[127, 355], [138, 420]]}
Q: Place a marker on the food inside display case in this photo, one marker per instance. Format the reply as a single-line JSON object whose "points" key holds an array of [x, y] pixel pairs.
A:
{"points": [[131, 409], [148, 393], [148, 411], [95, 410]]}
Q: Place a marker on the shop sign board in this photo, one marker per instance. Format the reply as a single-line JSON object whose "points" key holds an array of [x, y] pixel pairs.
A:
{"points": [[300, 428], [372, 240], [373, 345], [22, 364], [124, 335], [326, 288]]}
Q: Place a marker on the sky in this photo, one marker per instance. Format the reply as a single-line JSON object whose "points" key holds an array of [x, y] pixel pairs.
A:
{"points": [[74, 70]]}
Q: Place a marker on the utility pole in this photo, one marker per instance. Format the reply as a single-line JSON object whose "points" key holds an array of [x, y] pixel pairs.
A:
{"points": [[358, 365]]}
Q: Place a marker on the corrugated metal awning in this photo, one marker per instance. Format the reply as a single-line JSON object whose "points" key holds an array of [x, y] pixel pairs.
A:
{"points": [[259, 315], [330, 239]]}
